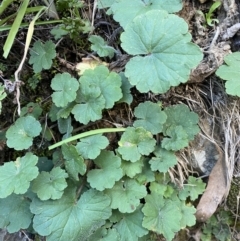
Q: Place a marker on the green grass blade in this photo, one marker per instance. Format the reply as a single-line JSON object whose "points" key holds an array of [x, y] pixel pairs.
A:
{"points": [[14, 29], [28, 10], [4, 5], [23, 25]]}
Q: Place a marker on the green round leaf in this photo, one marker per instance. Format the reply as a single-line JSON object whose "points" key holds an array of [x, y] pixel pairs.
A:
{"points": [[168, 55], [92, 104], [150, 116], [134, 143], [69, 219], [15, 176], [15, 213], [74, 163], [231, 73], [163, 160], [188, 216], [91, 146], [177, 139], [181, 123], [125, 11], [161, 215], [108, 82], [108, 172], [126, 195], [42, 55], [63, 112], [58, 32], [20, 134], [130, 226], [65, 89], [50, 184], [130, 169], [101, 47], [192, 189]]}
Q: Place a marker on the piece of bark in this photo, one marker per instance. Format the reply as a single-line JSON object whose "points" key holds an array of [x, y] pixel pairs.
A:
{"points": [[210, 63], [214, 193]]}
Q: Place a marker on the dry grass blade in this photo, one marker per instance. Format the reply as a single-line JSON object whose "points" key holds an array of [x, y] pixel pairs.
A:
{"points": [[27, 44]]}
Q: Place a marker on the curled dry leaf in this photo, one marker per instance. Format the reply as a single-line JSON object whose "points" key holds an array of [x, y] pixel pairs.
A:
{"points": [[89, 63], [215, 191]]}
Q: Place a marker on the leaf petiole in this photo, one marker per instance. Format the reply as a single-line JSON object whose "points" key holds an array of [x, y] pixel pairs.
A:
{"points": [[85, 134]]}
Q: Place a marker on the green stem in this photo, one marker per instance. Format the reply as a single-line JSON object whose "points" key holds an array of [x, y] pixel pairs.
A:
{"points": [[85, 134], [7, 27]]}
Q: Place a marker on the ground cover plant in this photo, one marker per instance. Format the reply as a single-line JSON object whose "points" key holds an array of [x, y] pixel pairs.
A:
{"points": [[92, 150]]}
